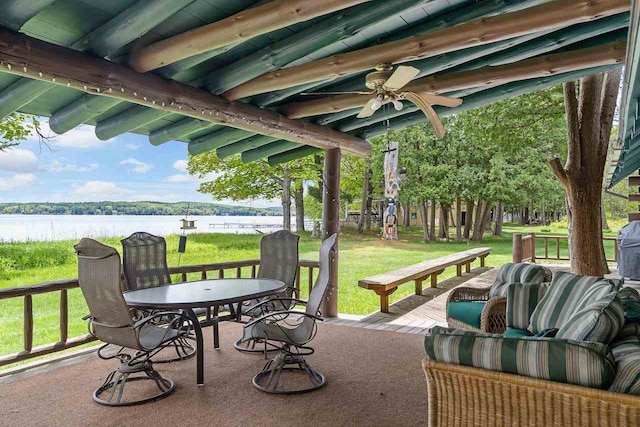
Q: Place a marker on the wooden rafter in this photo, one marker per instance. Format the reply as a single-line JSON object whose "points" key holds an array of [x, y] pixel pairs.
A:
{"points": [[554, 63], [545, 17], [239, 27], [29, 57]]}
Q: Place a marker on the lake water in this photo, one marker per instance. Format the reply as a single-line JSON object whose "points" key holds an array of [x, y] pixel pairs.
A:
{"points": [[20, 228]]}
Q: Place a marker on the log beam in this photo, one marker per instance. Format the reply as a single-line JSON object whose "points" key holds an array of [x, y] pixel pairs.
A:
{"points": [[127, 120], [178, 130], [29, 57], [545, 17], [221, 138], [331, 224], [240, 27], [15, 13], [79, 111], [19, 94], [244, 145], [555, 63], [268, 150], [291, 155]]}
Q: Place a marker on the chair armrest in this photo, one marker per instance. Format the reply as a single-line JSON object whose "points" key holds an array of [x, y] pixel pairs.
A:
{"points": [[464, 293], [140, 323], [493, 319], [282, 313]]}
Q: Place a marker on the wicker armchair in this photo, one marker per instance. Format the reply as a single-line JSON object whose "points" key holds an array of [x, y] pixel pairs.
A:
{"points": [[487, 313]]}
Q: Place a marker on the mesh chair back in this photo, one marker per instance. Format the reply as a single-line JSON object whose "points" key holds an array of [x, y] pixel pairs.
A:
{"points": [[279, 259], [145, 261], [327, 248], [99, 276]]}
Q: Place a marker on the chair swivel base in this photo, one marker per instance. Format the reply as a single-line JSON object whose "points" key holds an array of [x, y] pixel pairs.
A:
{"points": [[184, 350], [254, 346], [111, 393], [268, 380]]}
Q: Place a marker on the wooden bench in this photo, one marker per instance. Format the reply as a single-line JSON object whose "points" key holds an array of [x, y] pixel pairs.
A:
{"points": [[386, 283]]}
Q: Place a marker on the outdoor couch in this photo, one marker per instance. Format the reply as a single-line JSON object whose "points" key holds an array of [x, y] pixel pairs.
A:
{"points": [[484, 309], [570, 357]]}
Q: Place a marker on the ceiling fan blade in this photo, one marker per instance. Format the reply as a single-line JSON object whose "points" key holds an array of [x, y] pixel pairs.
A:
{"points": [[367, 110], [428, 111], [400, 77], [445, 101], [337, 93]]}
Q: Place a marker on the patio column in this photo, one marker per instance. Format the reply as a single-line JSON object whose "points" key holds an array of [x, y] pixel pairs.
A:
{"points": [[331, 222]]}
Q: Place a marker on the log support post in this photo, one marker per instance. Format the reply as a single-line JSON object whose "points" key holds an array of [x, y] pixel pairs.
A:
{"points": [[482, 262], [459, 270], [418, 283], [434, 278], [517, 248], [331, 224]]}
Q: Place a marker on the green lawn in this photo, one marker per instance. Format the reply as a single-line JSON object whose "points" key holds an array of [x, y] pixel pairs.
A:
{"points": [[360, 256]]}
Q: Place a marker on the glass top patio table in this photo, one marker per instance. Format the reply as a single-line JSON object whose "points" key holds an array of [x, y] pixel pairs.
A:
{"points": [[199, 294]]}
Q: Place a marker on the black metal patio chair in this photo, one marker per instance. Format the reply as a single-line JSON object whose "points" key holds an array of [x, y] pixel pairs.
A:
{"points": [[292, 331], [145, 266], [278, 260], [111, 321]]}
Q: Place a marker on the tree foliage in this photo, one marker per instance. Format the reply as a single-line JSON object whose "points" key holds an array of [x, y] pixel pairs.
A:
{"points": [[16, 128]]}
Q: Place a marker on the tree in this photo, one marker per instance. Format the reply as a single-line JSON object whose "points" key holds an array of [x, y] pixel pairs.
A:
{"points": [[589, 117], [16, 128]]}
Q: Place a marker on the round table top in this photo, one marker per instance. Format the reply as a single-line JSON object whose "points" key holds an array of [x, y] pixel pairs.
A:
{"points": [[203, 293]]}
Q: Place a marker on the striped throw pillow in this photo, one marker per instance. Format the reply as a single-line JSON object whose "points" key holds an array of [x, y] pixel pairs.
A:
{"points": [[516, 273], [522, 299], [626, 353], [598, 315], [560, 301], [573, 362]]}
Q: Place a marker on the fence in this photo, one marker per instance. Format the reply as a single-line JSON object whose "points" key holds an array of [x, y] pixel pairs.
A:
{"points": [[525, 248], [203, 271]]}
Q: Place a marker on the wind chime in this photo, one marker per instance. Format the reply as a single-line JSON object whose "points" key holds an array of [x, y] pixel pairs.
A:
{"points": [[187, 224]]}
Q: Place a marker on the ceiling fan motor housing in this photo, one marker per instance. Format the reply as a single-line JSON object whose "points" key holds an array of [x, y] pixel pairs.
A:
{"points": [[376, 79]]}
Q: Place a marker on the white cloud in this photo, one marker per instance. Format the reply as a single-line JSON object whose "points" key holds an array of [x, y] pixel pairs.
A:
{"points": [[58, 166], [94, 191], [137, 166], [19, 180], [181, 165], [183, 178], [18, 160], [132, 146]]}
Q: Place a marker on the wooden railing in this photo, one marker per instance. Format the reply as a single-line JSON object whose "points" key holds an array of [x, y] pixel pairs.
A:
{"points": [[179, 274], [526, 248]]}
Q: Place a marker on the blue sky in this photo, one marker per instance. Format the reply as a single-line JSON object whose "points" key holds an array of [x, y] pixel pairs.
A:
{"points": [[79, 167]]}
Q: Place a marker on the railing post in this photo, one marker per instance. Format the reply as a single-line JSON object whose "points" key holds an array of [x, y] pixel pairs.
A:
{"points": [[64, 316], [533, 247], [517, 247], [28, 323]]}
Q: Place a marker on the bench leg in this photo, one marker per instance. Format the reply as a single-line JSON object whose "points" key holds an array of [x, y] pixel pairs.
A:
{"points": [[482, 261], [384, 299], [467, 267], [434, 278], [459, 270], [419, 286]]}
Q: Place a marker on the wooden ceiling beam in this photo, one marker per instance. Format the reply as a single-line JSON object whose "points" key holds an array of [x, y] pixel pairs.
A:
{"points": [[291, 155], [16, 13], [29, 57], [554, 63], [448, 19], [544, 17], [177, 130], [221, 138], [244, 145], [19, 94], [242, 26], [268, 150]]}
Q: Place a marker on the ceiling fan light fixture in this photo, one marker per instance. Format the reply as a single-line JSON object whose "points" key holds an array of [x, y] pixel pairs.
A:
{"points": [[397, 104], [377, 103]]}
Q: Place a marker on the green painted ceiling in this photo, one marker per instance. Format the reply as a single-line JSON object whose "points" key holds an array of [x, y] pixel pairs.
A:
{"points": [[99, 25]]}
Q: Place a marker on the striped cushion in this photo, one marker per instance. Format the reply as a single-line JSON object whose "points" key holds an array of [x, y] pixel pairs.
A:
{"points": [[516, 273], [582, 363], [597, 316], [560, 301], [627, 356], [522, 299]]}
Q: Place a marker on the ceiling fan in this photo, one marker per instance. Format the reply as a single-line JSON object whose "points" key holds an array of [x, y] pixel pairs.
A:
{"points": [[386, 86]]}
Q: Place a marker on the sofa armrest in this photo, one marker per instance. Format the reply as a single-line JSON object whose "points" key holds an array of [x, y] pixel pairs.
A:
{"points": [[468, 294], [494, 316]]}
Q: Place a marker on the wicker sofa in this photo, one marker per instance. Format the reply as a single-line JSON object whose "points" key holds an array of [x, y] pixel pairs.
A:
{"points": [[576, 363], [484, 309]]}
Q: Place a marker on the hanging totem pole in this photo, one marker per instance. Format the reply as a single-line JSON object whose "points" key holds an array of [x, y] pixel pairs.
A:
{"points": [[391, 191]]}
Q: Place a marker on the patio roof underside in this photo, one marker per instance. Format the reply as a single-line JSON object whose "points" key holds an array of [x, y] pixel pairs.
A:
{"points": [[625, 159], [116, 28]]}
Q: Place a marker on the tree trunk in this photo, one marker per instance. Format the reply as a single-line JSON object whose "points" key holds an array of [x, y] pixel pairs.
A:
{"points": [[480, 221], [424, 221], [589, 123], [363, 205], [442, 222], [499, 213], [286, 199], [468, 219], [432, 221], [458, 220], [298, 199], [369, 201]]}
